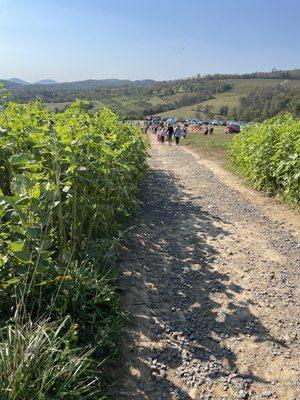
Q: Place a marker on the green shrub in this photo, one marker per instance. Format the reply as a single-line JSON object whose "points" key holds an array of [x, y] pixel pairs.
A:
{"points": [[68, 188], [69, 185], [268, 155]]}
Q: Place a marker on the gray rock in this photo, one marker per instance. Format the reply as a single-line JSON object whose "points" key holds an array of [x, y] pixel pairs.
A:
{"points": [[266, 394], [242, 394]]}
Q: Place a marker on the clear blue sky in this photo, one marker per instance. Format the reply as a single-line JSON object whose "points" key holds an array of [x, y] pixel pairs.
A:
{"points": [[162, 39]]}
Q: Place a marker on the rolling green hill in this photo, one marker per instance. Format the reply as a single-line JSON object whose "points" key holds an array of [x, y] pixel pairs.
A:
{"points": [[253, 96], [230, 98]]}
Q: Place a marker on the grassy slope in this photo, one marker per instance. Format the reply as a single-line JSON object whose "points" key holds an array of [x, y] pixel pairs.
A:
{"points": [[62, 106], [58, 106], [241, 87], [212, 147]]}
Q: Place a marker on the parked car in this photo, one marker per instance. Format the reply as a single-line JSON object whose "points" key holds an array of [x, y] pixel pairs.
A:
{"points": [[215, 122], [232, 128]]}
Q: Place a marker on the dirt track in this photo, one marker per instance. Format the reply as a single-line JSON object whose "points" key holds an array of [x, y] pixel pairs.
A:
{"points": [[211, 277]]}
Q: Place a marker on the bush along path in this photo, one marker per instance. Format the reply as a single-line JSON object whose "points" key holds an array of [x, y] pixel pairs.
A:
{"points": [[268, 156], [68, 188], [212, 284]]}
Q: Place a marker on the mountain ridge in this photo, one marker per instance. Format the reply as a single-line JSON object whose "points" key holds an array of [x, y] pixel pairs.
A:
{"points": [[46, 82], [18, 81], [84, 84]]}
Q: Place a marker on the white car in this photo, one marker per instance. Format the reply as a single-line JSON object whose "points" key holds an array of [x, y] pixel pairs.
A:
{"points": [[215, 122]]}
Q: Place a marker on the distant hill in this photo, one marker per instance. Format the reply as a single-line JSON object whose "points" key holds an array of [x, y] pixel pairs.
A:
{"points": [[8, 84], [94, 83], [46, 82], [267, 95], [18, 81], [220, 96], [86, 84]]}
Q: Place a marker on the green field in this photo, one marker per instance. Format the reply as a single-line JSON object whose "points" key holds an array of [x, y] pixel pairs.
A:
{"points": [[211, 146], [241, 87]]}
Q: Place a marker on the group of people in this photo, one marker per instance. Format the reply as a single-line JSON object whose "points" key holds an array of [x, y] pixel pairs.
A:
{"points": [[164, 132], [167, 132], [207, 131]]}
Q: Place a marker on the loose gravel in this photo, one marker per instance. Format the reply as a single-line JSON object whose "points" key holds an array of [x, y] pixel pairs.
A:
{"points": [[212, 286]]}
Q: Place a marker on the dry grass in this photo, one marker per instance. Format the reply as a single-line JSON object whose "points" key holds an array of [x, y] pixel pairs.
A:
{"points": [[213, 147]]}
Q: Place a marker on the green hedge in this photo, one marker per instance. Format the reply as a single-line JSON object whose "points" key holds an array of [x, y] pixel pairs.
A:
{"points": [[268, 155], [68, 188]]}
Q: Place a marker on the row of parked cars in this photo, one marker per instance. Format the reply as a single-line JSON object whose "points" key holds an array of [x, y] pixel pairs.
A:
{"points": [[206, 122]]}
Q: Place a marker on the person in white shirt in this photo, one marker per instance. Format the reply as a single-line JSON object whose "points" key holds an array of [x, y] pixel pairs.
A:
{"points": [[177, 134]]}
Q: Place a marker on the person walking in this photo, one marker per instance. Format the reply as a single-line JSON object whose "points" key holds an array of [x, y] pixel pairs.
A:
{"points": [[158, 136], [178, 134], [162, 135], [170, 132]]}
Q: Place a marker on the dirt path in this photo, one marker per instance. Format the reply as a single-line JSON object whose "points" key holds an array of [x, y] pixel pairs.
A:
{"points": [[212, 283]]}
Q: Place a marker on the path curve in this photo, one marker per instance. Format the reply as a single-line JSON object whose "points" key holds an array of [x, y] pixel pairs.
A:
{"points": [[212, 285]]}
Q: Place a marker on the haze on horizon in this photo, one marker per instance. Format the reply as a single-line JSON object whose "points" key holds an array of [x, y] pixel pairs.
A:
{"points": [[69, 40]]}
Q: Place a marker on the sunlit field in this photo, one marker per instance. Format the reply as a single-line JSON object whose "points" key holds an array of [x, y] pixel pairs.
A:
{"points": [[211, 146]]}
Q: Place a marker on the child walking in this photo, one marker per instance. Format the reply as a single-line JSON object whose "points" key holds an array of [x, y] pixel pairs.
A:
{"points": [[162, 135]]}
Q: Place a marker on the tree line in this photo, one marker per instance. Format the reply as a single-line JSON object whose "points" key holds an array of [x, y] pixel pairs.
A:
{"points": [[274, 74], [264, 103]]}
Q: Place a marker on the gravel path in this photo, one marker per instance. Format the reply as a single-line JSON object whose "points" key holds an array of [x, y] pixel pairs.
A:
{"points": [[212, 285]]}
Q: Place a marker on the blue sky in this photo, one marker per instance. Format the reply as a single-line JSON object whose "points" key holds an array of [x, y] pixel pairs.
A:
{"points": [[161, 39]]}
